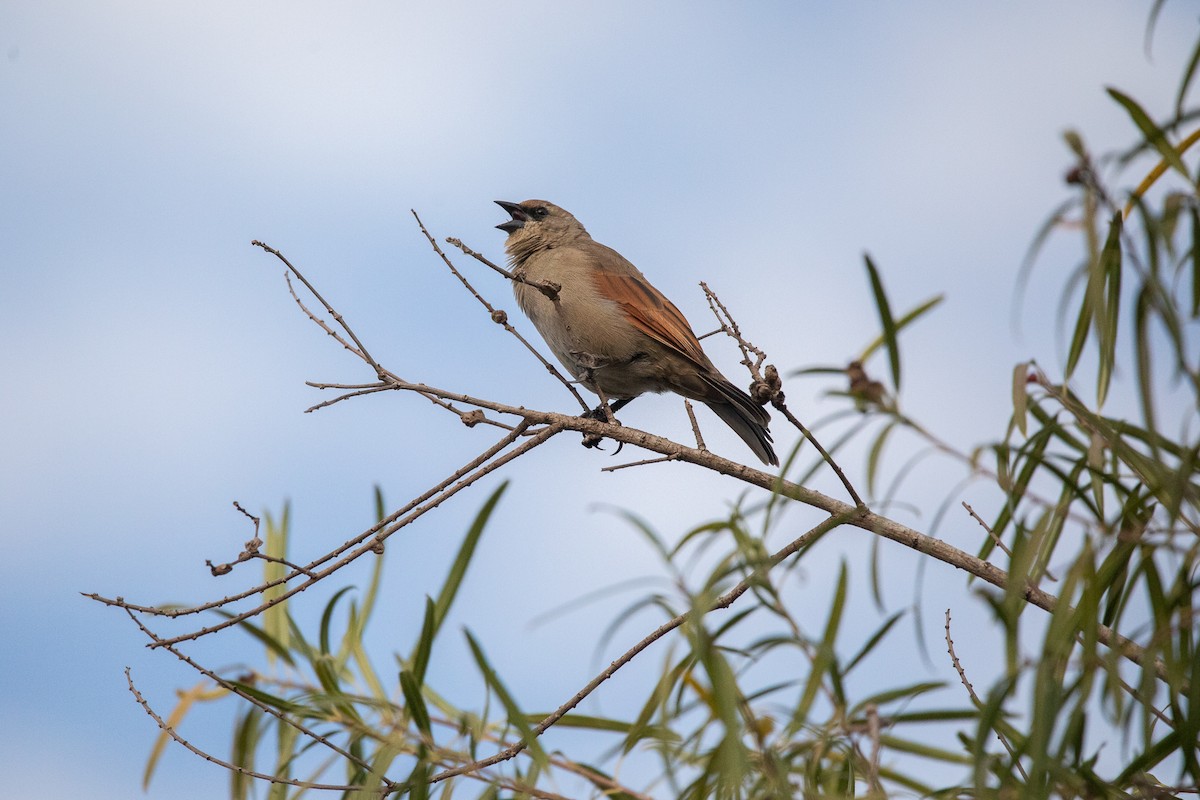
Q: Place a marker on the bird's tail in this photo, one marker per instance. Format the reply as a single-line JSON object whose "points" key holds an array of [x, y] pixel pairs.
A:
{"points": [[748, 419]]}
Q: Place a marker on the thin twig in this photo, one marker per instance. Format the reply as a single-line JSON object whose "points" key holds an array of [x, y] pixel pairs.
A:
{"points": [[768, 386], [781, 406], [167, 729], [265, 707], [361, 350], [998, 541], [372, 532], [549, 288], [499, 316], [371, 543], [695, 425], [859, 517], [320, 322], [730, 326], [962, 676], [641, 463]]}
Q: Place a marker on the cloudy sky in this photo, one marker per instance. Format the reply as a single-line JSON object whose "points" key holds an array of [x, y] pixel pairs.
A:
{"points": [[154, 364]]}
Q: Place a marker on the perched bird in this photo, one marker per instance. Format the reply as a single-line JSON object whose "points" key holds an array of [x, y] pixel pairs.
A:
{"points": [[617, 334]]}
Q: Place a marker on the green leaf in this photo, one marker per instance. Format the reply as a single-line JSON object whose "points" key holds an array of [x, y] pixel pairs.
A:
{"points": [[459, 568], [286, 706], [1188, 74], [1195, 216], [1020, 396], [605, 724], [420, 658], [876, 452], [1110, 264], [925, 751], [245, 744], [274, 646], [275, 619], [1154, 135], [327, 618], [911, 316], [597, 776], [823, 660], [874, 640], [900, 693], [1079, 336], [886, 319], [415, 703], [515, 715]]}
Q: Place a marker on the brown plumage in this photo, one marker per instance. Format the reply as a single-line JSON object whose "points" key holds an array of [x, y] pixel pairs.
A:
{"points": [[610, 327]]}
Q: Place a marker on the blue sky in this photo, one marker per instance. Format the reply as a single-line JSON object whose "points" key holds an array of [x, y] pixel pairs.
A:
{"points": [[154, 364]]}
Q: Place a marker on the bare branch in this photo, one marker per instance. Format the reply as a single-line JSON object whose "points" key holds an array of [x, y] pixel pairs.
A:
{"points": [[361, 351], [695, 425], [998, 541], [167, 729]]}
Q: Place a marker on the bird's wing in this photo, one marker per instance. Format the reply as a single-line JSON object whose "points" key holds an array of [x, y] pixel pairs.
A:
{"points": [[651, 313]]}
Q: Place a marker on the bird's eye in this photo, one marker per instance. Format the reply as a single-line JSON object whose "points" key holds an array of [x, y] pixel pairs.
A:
{"points": [[540, 212]]}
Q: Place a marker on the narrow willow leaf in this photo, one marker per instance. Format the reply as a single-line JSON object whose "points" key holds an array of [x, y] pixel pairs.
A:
{"points": [[1153, 755], [1095, 461], [414, 703], [1195, 216], [327, 618], [275, 620], [515, 715], [459, 568], [924, 750], [876, 452], [900, 693], [186, 700], [597, 778], [1154, 135], [245, 745], [901, 323], [1188, 74], [874, 640], [1145, 366], [823, 660], [886, 320], [1110, 260], [1080, 335], [420, 657], [657, 700], [365, 667], [276, 702], [274, 647], [945, 715], [354, 631], [1020, 396], [605, 724]]}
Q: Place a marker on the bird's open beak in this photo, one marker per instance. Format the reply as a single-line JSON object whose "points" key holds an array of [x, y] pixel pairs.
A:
{"points": [[518, 216]]}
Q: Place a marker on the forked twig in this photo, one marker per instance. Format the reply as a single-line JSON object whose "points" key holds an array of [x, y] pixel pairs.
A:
{"points": [[768, 387]]}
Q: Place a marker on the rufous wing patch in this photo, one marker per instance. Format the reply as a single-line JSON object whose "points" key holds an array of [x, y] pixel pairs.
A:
{"points": [[651, 313]]}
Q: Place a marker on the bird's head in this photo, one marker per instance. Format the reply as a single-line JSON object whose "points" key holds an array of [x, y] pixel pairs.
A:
{"points": [[537, 225]]}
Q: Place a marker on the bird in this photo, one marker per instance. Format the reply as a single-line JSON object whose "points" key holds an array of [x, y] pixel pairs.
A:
{"points": [[613, 331]]}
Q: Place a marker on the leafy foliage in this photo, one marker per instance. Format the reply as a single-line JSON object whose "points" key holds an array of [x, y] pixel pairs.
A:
{"points": [[1104, 507]]}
